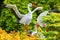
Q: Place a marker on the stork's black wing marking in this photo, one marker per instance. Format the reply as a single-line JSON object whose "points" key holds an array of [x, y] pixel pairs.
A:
{"points": [[54, 10]]}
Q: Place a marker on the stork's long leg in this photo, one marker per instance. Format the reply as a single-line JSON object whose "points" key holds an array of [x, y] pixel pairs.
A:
{"points": [[46, 30], [37, 25], [25, 28]]}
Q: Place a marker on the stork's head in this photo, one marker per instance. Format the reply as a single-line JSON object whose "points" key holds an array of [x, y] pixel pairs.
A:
{"points": [[30, 4]]}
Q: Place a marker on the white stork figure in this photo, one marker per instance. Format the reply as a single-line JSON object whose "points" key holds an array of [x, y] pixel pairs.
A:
{"points": [[42, 24], [39, 19], [39, 22], [25, 19]]}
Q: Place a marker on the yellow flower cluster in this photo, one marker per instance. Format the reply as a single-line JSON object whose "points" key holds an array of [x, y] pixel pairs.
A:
{"points": [[15, 36]]}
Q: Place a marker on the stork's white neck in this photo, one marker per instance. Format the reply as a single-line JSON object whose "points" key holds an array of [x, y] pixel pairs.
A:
{"points": [[29, 9], [30, 12]]}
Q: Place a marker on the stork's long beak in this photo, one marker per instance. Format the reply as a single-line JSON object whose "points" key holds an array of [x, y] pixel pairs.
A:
{"points": [[34, 5]]}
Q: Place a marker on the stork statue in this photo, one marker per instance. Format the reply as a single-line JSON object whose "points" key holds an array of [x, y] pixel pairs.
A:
{"points": [[24, 19]]}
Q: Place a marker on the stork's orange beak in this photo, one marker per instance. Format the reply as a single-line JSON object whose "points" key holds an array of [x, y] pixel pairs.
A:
{"points": [[34, 5]]}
